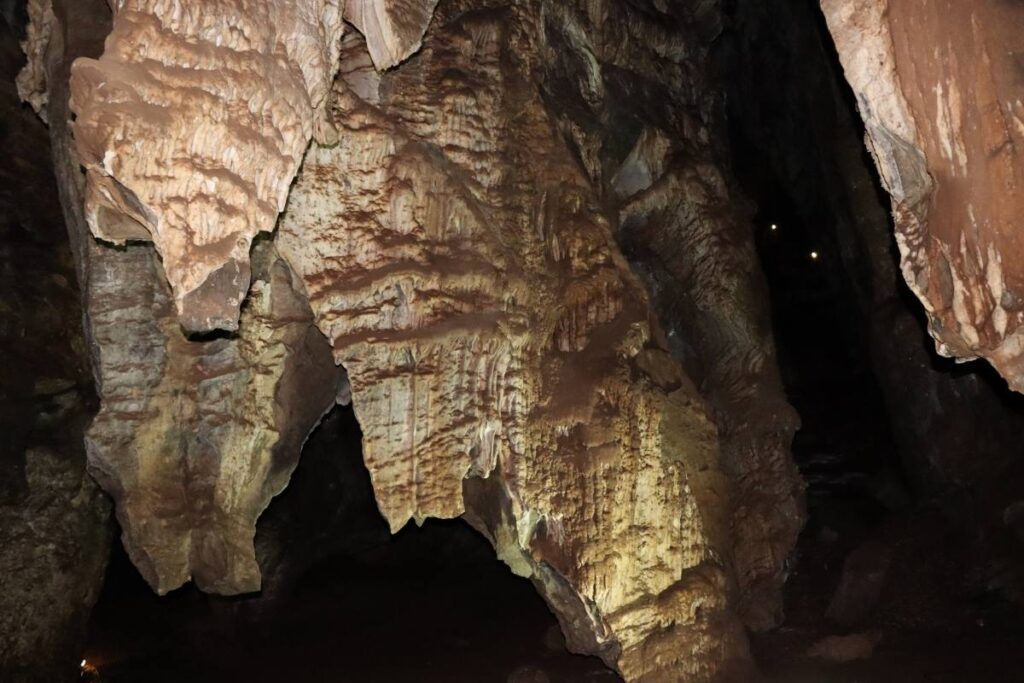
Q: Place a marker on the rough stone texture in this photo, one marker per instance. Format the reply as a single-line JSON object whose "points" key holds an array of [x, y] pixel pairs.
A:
{"points": [[938, 85], [191, 127], [55, 525], [636, 98], [456, 240], [194, 436], [504, 361], [957, 432], [31, 80], [393, 28]]}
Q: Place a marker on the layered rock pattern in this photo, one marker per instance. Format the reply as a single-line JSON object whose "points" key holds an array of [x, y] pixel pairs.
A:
{"points": [[192, 125], [194, 436], [455, 237], [635, 96], [938, 86], [504, 362]]}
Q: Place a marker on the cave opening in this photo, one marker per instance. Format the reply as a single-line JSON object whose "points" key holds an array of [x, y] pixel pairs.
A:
{"points": [[342, 599]]}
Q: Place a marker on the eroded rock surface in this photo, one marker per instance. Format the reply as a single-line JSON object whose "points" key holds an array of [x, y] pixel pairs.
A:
{"points": [[635, 95], [504, 361], [55, 522], [938, 86], [194, 436], [456, 238], [192, 125]]}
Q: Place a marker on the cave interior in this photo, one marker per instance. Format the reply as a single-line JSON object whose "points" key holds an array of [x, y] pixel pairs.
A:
{"points": [[909, 559]]}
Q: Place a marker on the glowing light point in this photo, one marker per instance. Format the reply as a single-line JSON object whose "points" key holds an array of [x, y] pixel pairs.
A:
{"points": [[774, 227], [814, 256]]}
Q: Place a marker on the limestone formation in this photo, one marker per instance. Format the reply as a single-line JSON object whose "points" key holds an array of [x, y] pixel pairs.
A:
{"points": [[192, 125], [504, 362], [938, 86], [194, 436], [31, 80], [455, 231], [55, 522]]}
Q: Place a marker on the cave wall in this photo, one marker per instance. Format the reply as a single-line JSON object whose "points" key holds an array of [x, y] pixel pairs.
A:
{"points": [[456, 234], [937, 85], [55, 528], [956, 429]]}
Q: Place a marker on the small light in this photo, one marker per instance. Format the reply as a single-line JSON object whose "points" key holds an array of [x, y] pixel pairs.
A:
{"points": [[774, 227], [814, 256], [84, 664]]}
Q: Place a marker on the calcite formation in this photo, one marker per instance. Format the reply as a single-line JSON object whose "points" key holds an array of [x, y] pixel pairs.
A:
{"points": [[938, 87], [191, 126], [194, 436], [639, 103], [453, 238], [504, 362]]}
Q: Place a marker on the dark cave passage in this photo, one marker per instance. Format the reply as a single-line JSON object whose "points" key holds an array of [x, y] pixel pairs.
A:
{"points": [[343, 600], [892, 579]]}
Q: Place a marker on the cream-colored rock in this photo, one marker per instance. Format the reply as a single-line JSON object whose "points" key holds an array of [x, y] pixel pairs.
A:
{"points": [[503, 359], [191, 127], [938, 86], [393, 28]]}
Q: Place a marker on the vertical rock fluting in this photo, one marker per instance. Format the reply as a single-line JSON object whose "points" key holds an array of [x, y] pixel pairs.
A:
{"points": [[193, 437], [635, 96], [503, 360], [455, 239], [938, 86]]}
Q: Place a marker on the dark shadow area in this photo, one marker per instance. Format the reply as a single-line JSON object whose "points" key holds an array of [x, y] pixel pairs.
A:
{"points": [[909, 568], [343, 600]]}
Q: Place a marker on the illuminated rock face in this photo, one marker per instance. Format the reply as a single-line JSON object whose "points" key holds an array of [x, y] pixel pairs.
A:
{"points": [[193, 437], [456, 240], [503, 359], [938, 86], [192, 125]]}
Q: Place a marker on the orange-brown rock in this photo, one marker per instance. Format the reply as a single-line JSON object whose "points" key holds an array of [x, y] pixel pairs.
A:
{"points": [[938, 86], [504, 361]]}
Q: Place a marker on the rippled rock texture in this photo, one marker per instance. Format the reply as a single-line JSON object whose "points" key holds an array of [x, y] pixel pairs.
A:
{"points": [[455, 240], [938, 87]]}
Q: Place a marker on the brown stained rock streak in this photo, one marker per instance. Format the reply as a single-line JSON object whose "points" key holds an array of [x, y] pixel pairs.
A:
{"points": [[939, 86], [453, 253]]}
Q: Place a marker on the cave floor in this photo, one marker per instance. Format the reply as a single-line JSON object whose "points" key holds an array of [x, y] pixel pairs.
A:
{"points": [[345, 622], [929, 625]]}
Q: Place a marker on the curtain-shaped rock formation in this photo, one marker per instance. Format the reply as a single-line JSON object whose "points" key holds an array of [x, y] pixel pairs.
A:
{"points": [[455, 237], [503, 359]]}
